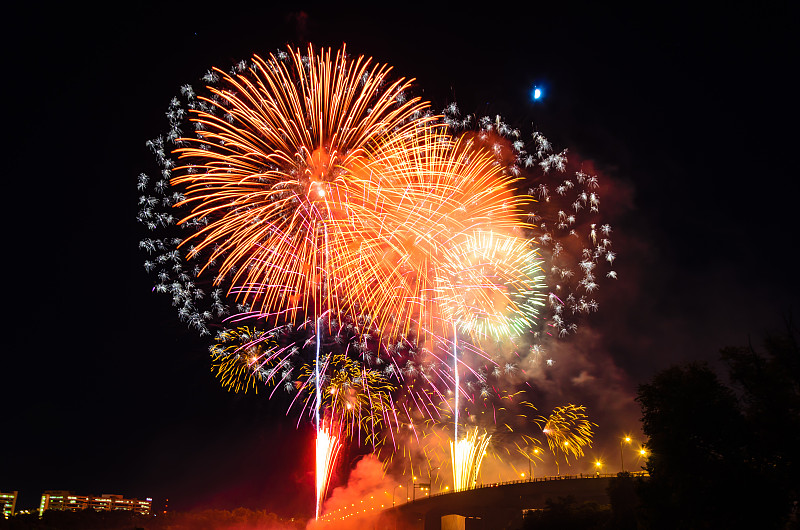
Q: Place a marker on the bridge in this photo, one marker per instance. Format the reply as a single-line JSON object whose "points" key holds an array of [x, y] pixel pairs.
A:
{"points": [[485, 507]]}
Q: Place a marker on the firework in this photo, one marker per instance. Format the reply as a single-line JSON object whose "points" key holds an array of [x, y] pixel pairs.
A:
{"points": [[244, 358], [505, 416], [381, 258], [568, 430], [439, 204], [453, 262], [198, 305], [355, 396], [573, 239], [293, 224], [327, 450], [448, 218], [455, 254], [466, 456], [268, 175], [359, 398], [270, 201], [577, 245]]}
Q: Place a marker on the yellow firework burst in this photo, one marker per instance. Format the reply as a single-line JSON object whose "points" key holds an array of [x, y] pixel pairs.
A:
{"points": [[356, 398], [244, 358], [568, 430]]}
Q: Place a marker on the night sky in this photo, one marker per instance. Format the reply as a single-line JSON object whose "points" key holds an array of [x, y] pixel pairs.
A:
{"points": [[687, 115]]}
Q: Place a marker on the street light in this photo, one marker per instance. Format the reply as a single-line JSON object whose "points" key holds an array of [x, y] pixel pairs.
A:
{"points": [[395, 489], [530, 464], [422, 487], [643, 454], [598, 466], [627, 440]]}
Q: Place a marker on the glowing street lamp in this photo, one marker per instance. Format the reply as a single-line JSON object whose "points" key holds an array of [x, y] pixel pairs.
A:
{"points": [[643, 453], [627, 440], [422, 488], [395, 489], [530, 464]]}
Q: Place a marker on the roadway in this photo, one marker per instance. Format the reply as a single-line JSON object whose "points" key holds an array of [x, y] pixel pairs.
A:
{"points": [[491, 506]]}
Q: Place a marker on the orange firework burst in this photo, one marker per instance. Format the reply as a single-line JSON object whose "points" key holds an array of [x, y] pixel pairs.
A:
{"points": [[454, 252], [269, 173]]}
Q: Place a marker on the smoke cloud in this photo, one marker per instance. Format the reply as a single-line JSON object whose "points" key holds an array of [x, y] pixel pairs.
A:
{"points": [[358, 504]]}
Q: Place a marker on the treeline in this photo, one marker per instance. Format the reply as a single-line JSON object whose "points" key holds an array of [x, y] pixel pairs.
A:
{"points": [[238, 519], [721, 454]]}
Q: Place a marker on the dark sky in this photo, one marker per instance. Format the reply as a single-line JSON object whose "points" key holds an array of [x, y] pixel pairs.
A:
{"points": [[688, 114]]}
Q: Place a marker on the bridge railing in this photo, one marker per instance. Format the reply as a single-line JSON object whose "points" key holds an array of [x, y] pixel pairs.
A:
{"points": [[536, 479], [346, 513]]}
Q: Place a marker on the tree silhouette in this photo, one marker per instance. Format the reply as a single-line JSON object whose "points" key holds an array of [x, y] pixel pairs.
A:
{"points": [[722, 458]]}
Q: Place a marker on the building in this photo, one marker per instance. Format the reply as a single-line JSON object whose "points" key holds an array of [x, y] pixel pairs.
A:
{"points": [[63, 500], [9, 502]]}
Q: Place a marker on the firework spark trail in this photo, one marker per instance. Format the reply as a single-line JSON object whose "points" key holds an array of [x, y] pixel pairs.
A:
{"points": [[317, 382], [457, 384], [327, 451], [327, 447], [466, 456]]}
